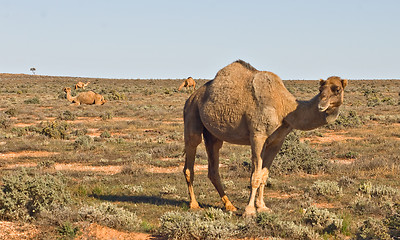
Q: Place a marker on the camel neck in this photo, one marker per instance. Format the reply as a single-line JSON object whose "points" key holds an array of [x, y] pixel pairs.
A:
{"points": [[69, 97], [306, 116]]}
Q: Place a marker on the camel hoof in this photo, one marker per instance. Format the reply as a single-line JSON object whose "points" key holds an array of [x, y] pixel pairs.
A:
{"points": [[230, 208], [194, 206], [264, 209], [249, 212]]}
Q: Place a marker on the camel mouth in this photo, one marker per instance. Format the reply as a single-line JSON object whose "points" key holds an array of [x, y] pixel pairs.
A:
{"points": [[323, 108]]}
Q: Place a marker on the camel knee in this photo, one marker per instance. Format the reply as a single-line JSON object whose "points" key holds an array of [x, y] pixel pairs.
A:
{"points": [[213, 175], [193, 140], [187, 174]]}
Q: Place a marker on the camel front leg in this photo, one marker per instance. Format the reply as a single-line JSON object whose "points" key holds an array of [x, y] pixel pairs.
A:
{"points": [[271, 148], [257, 173]]}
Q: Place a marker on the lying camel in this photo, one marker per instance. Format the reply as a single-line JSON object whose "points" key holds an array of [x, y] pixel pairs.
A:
{"points": [[85, 98], [187, 84], [81, 85], [242, 105]]}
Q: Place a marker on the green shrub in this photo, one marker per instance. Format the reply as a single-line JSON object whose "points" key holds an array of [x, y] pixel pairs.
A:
{"points": [[45, 164], [34, 100], [272, 226], [5, 121], [84, 142], [23, 196], [362, 205], [373, 229], [106, 116], [12, 112], [66, 115], [345, 181], [348, 119], [296, 156], [322, 219], [115, 95], [208, 224], [56, 129], [378, 190], [325, 188], [392, 222], [105, 134], [68, 230], [110, 215]]}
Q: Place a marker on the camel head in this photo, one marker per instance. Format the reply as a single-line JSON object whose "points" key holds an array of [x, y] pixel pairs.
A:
{"points": [[67, 89], [331, 93]]}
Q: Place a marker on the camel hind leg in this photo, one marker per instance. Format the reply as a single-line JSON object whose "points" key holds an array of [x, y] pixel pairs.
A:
{"points": [[213, 145], [192, 134]]}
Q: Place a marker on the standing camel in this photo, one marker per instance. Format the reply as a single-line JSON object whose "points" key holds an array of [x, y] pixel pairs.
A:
{"points": [[187, 84], [89, 98], [81, 85], [242, 105]]}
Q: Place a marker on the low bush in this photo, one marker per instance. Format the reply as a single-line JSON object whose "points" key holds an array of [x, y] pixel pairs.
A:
{"points": [[34, 100], [68, 230], [84, 142], [110, 215], [12, 112], [67, 115], [296, 156], [56, 129], [325, 188], [322, 219], [378, 190], [373, 229], [208, 224], [5, 121], [348, 119], [23, 195]]}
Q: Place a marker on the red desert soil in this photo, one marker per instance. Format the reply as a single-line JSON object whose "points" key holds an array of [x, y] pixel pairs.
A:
{"points": [[26, 154], [92, 231], [331, 137]]}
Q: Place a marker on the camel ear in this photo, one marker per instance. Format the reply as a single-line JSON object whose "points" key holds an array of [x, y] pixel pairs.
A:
{"points": [[321, 82], [344, 83]]}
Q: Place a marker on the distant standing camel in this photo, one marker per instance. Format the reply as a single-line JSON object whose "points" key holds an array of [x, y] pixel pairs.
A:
{"points": [[81, 85], [85, 98], [249, 107], [187, 84]]}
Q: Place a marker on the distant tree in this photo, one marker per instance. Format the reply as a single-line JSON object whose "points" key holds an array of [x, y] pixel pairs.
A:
{"points": [[33, 70]]}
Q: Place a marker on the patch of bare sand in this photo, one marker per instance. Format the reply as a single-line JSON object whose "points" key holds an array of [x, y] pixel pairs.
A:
{"points": [[15, 230], [342, 161], [98, 232], [280, 195], [27, 154], [330, 137], [22, 125], [109, 170], [326, 205], [197, 168]]}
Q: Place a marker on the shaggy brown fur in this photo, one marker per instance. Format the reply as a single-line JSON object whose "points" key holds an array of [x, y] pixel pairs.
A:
{"points": [[245, 106], [189, 82], [85, 98], [81, 85]]}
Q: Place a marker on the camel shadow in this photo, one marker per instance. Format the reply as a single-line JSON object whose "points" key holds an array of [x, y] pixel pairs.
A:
{"points": [[155, 200]]}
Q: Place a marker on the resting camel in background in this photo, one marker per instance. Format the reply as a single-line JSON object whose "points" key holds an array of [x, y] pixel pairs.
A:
{"points": [[242, 105], [89, 98], [187, 84], [81, 85]]}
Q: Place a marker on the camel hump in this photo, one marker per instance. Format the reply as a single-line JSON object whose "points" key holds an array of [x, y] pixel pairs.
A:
{"points": [[246, 65]]}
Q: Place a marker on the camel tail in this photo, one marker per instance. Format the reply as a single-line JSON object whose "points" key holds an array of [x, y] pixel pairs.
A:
{"points": [[183, 152]]}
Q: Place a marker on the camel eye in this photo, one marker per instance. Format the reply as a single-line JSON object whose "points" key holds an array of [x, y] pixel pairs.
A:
{"points": [[336, 90]]}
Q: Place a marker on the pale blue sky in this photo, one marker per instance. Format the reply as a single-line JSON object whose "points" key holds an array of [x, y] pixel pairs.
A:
{"points": [[309, 39]]}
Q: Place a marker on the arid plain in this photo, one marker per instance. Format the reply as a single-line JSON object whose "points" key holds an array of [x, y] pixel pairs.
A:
{"points": [[119, 165]]}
